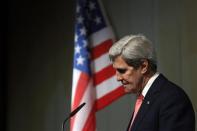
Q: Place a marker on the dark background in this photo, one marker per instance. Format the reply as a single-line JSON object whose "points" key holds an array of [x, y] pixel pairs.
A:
{"points": [[36, 47]]}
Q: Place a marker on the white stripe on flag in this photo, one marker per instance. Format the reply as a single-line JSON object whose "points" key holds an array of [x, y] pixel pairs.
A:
{"points": [[101, 62], [101, 36], [76, 75], [107, 86]]}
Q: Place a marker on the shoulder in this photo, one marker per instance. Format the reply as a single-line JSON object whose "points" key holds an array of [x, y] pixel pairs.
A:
{"points": [[175, 106], [169, 92], [163, 85]]}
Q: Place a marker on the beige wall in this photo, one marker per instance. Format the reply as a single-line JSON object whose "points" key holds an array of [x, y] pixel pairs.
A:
{"points": [[190, 48]]}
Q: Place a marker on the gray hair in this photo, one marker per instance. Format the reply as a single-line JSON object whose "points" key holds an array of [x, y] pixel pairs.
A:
{"points": [[133, 49]]}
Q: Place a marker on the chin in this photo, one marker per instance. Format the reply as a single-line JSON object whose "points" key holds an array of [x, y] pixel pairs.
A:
{"points": [[129, 90]]}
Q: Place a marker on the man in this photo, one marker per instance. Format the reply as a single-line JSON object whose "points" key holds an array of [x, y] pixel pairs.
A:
{"points": [[162, 105]]}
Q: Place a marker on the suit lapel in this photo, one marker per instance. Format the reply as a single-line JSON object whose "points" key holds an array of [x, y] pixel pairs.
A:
{"points": [[148, 101]]}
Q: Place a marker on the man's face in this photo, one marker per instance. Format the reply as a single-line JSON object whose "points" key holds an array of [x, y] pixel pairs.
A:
{"points": [[131, 78]]}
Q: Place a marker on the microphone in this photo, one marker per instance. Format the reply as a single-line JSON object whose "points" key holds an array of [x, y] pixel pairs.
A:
{"points": [[72, 114]]}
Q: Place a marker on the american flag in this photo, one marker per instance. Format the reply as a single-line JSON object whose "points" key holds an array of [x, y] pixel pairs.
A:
{"points": [[94, 79]]}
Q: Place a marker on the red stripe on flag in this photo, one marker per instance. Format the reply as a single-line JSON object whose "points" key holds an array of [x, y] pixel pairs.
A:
{"points": [[90, 124], [101, 49], [103, 75], [81, 88], [109, 98]]}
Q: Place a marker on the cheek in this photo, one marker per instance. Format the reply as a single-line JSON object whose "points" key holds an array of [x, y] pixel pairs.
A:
{"points": [[134, 78], [128, 77]]}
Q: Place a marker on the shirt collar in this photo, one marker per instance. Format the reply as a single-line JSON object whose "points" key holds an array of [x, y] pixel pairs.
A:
{"points": [[149, 83]]}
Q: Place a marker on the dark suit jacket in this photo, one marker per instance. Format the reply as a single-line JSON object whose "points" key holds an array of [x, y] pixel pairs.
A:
{"points": [[165, 107]]}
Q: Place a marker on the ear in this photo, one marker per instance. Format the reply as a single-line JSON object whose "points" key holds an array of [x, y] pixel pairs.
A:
{"points": [[144, 66]]}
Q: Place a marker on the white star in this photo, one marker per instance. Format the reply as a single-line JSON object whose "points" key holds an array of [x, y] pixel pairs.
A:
{"points": [[80, 60], [92, 5], [83, 31], [98, 20], [85, 43], [77, 49], [78, 8], [76, 38], [80, 19]]}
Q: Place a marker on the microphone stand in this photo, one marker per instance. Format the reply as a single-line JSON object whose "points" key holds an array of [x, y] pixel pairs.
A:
{"points": [[64, 123], [72, 114]]}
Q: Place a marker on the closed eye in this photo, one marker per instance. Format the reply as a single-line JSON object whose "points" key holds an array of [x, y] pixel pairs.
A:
{"points": [[121, 71]]}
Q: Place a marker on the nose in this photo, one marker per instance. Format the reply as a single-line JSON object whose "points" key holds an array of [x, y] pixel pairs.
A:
{"points": [[119, 76]]}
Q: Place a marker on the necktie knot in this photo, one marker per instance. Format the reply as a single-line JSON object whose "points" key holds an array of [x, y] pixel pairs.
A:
{"points": [[140, 97], [138, 103]]}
